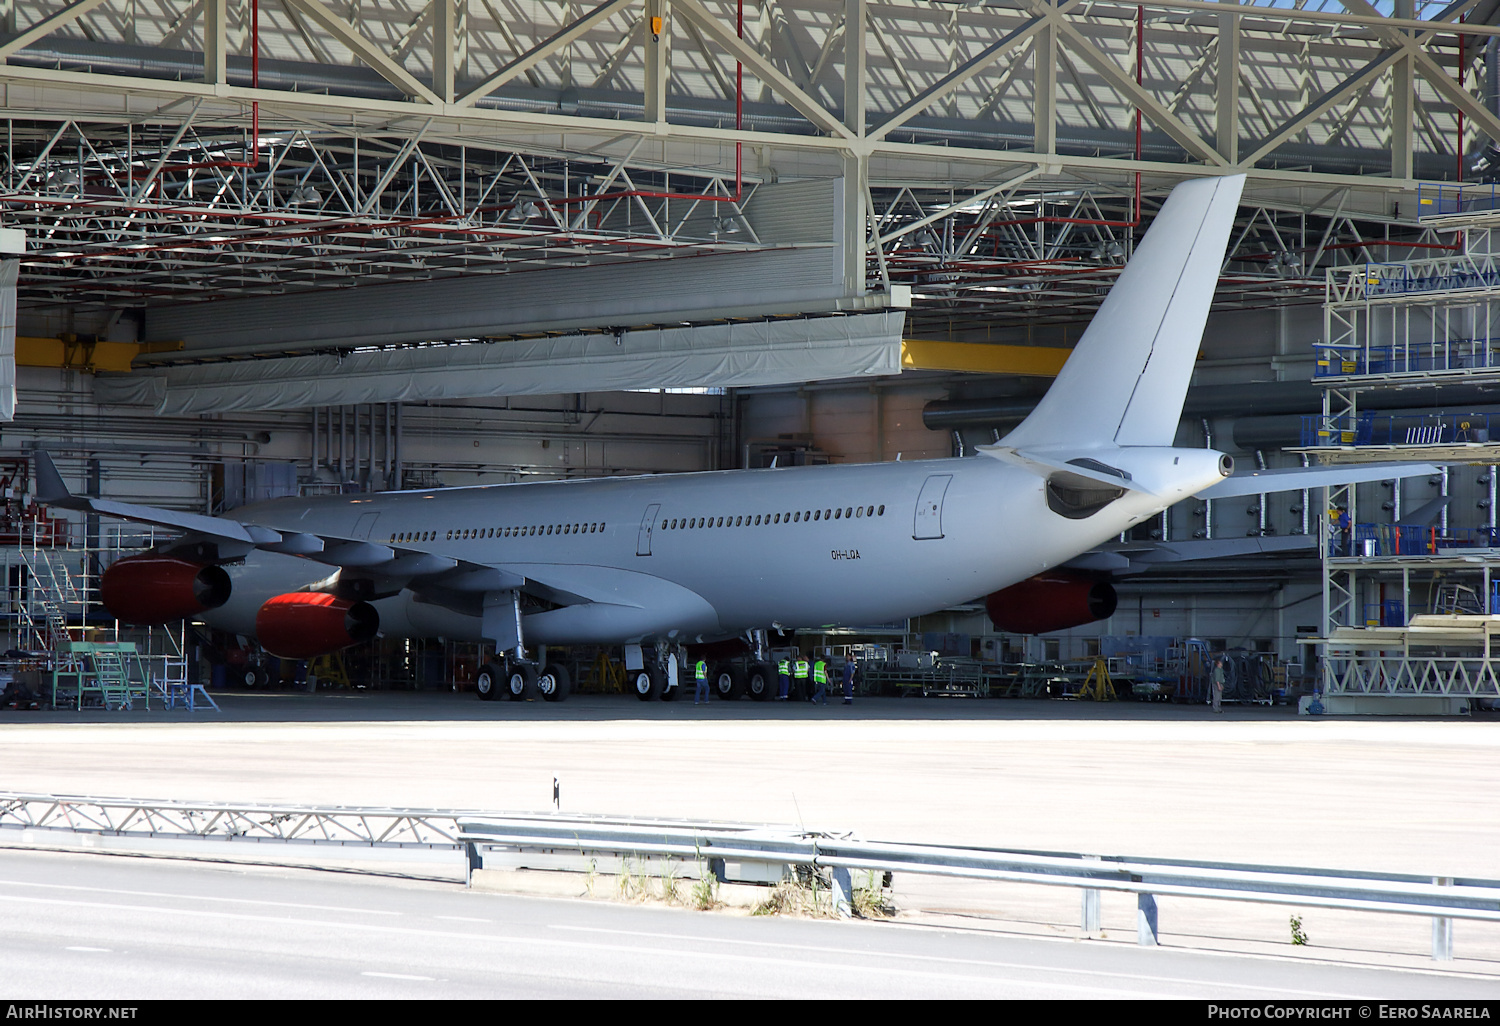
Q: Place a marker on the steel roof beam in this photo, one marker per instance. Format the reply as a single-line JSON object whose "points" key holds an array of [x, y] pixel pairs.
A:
{"points": [[362, 48], [48, 25], [973, 66], [553, 43], [763, 69]]}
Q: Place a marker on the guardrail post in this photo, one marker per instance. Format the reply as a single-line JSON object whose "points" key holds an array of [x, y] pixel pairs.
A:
{"points": [[1091, 915], [843, 892], [1442, 928], [1092, 924], [472, 861], [1145, 920]]}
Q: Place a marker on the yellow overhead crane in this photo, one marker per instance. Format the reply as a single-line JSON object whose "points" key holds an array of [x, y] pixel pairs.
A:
{"points": [[982, 357], [86, 354]]}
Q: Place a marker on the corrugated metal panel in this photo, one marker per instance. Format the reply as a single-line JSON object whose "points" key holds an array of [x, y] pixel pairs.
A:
{"points": [[780, 213], [787, 212], [628, 292]]}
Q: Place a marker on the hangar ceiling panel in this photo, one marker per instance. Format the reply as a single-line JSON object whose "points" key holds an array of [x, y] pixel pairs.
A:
{"points": [[738, 354]]}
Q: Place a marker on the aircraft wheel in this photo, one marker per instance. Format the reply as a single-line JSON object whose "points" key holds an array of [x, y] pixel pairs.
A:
{"points": [[487, 682], [728, 682], [520, 682], [670, 694], [645, 684], [760, 682], [553, 682]]}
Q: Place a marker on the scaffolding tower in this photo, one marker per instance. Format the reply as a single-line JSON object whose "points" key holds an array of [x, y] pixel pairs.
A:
{"points": [[1393, 327]]}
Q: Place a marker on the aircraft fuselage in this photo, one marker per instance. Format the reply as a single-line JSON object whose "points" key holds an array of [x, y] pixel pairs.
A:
{"points": [[695, 556]]}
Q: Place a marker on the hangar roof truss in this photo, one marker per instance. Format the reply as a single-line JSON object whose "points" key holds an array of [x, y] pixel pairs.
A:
{"points": [[167, 151]]}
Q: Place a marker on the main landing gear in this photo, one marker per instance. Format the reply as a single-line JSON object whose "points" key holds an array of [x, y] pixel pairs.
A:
{"points": [[521, 682]]}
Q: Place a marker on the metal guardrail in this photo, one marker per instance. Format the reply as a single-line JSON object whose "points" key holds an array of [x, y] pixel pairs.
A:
{"points": [[225, 821], [1443, 899]]}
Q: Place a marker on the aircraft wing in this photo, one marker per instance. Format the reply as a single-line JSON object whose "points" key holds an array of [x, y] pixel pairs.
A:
{"points": [[1253, 482], [50, 491], [388, 567]]}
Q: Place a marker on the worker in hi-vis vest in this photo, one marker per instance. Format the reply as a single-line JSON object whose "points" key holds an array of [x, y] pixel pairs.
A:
{"points": [[783, 678], [820, 682], [700, 675], [801, 669]]}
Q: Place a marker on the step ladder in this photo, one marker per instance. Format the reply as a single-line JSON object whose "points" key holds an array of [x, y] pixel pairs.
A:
{"points": [[107, 671], [1456, 598], [171, 685]]}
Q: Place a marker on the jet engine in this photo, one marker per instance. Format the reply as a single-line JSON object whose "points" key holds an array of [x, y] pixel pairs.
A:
{"points": [[303, 624], [1051, 601], [154, 589]]}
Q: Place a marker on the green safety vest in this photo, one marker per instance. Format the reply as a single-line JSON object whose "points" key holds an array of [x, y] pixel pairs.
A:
{"points": [[701, 670], [784, 668], [820, 672], [801, 669]]}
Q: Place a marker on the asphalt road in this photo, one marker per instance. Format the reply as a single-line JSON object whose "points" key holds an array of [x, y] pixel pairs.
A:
{"points": [[106, 928], [1254, 785]]}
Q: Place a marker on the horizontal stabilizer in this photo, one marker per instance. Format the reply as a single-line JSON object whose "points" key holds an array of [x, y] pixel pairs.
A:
{"points": [[1287, 479], [1134, 557], [1044, 465]]}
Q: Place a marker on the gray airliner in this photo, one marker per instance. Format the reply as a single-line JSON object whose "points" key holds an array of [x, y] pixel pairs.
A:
{"points": [[657, 563]]}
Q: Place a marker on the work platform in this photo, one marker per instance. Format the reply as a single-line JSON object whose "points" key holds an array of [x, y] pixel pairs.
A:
{"points": [[1434, 665]]}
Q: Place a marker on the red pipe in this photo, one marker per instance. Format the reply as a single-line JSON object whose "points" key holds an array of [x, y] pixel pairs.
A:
{"points": [[254, 146], [739, 100], [1049, 219], [1454, 247]]}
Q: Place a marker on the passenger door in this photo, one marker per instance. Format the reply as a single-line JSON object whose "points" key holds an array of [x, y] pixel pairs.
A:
{"points": [[365, 525], [643, 539], [929, 514]]}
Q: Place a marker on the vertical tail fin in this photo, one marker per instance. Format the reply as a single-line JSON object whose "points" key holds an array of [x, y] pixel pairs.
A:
{"points": [[1125, 381]]}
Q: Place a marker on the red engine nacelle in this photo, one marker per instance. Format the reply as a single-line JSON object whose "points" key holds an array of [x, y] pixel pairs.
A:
{"points": [[303, 624], [1050, 602], [154, 589]]}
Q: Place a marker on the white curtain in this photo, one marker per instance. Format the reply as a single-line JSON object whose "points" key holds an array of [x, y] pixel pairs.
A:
{"points": [[10, 271], [741, 354]]}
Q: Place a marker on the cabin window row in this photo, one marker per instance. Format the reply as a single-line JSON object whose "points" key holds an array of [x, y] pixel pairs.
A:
{"points": [[474, 533], [761, 519]]}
